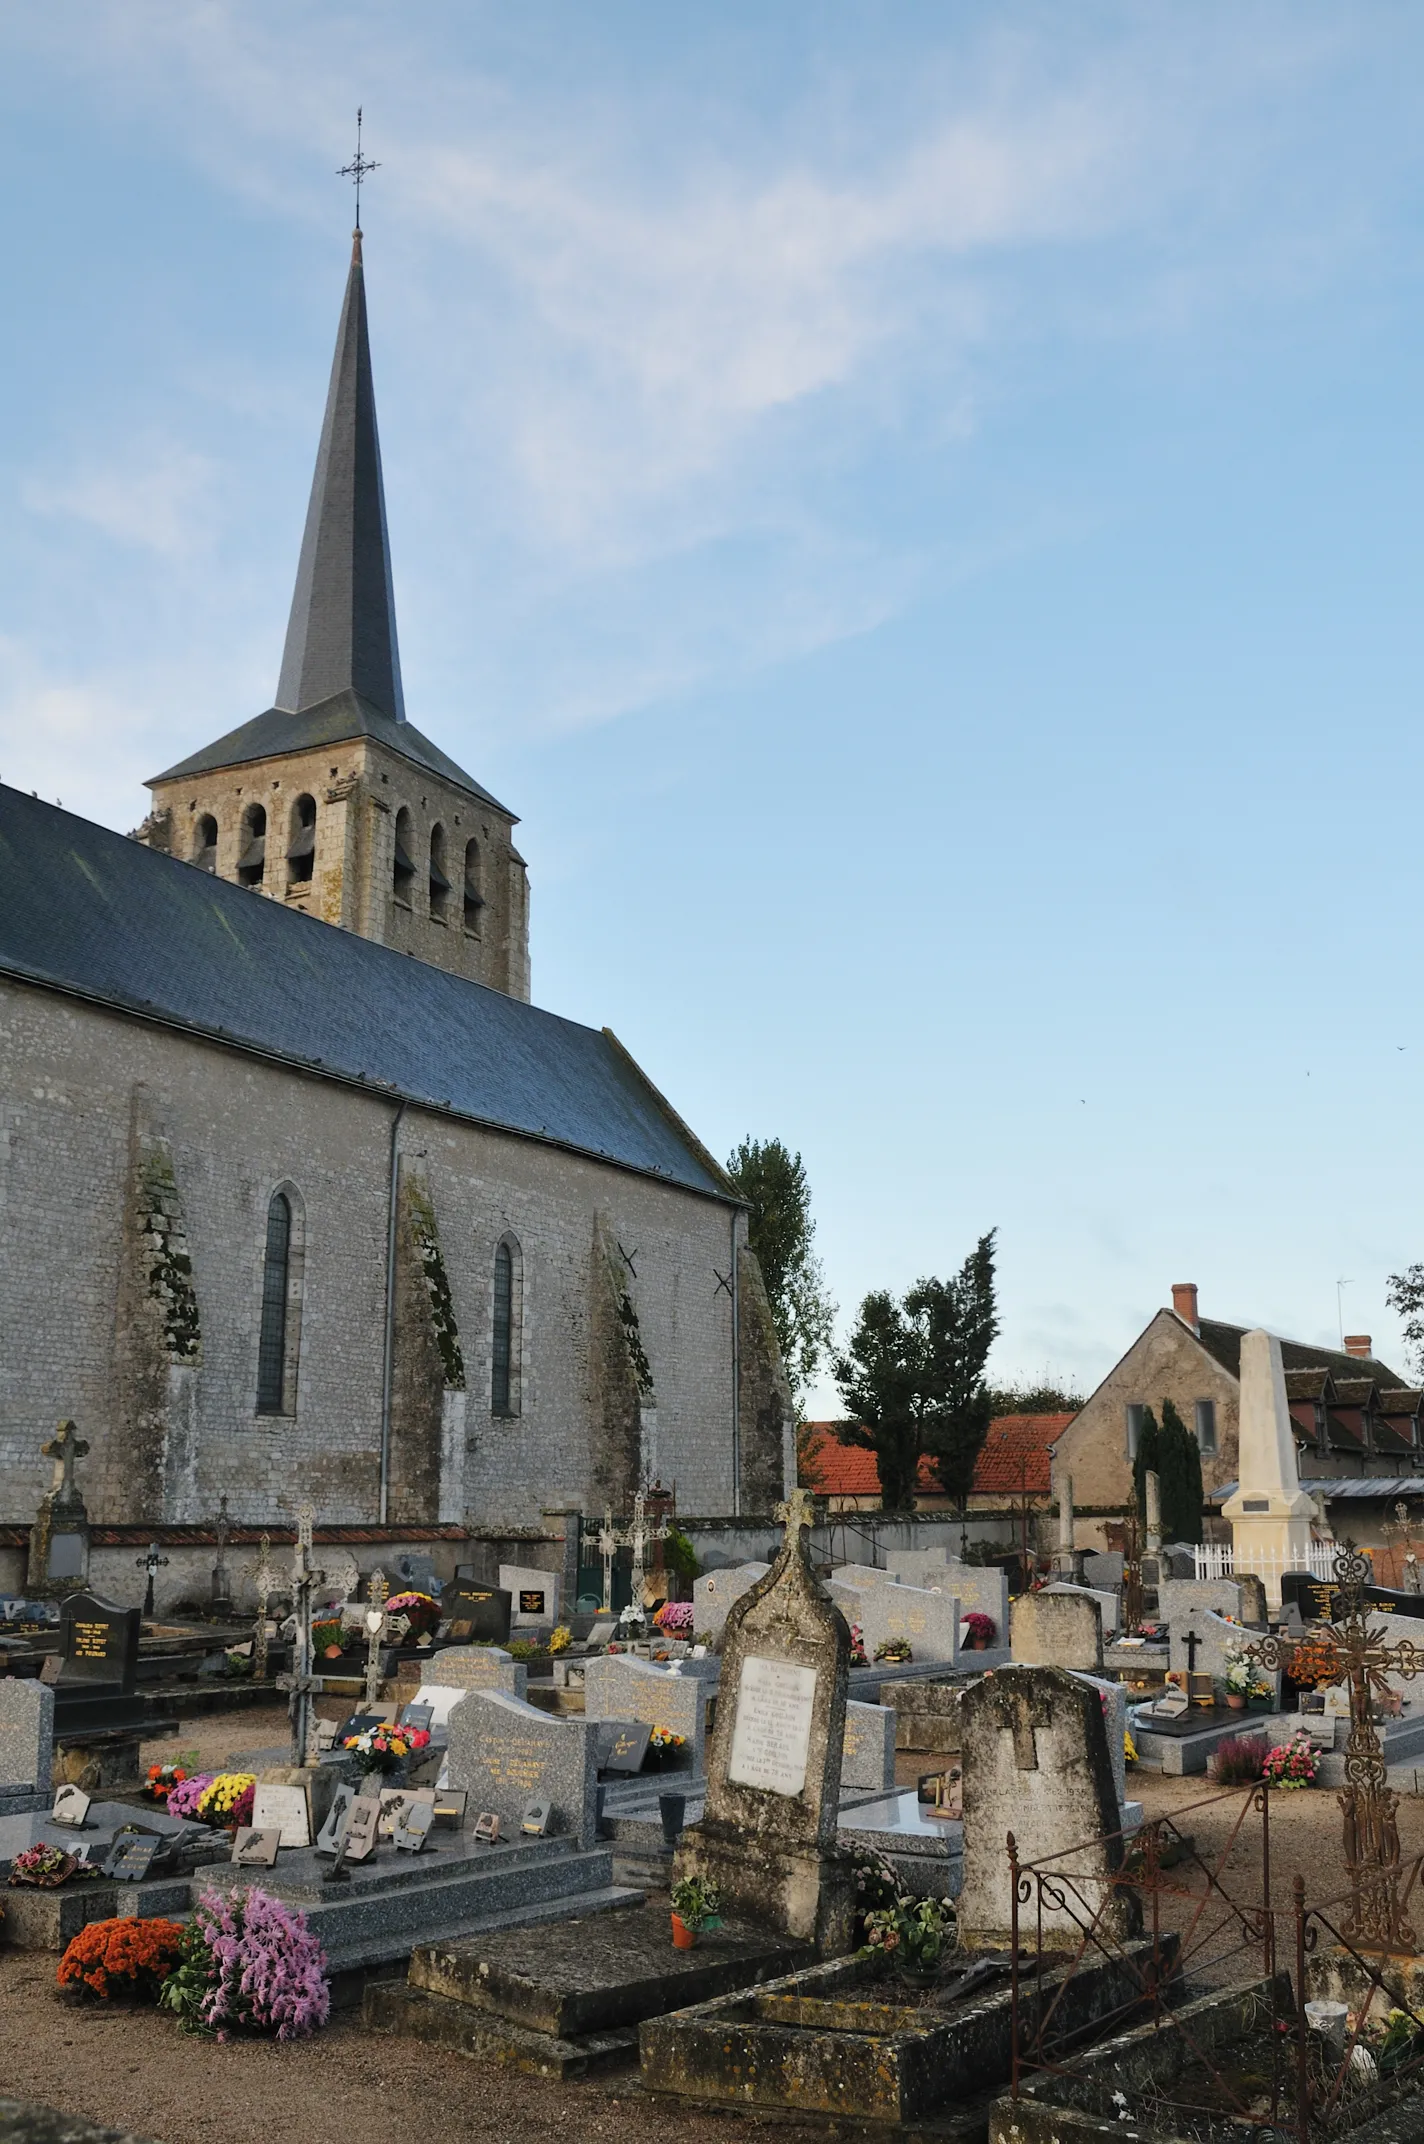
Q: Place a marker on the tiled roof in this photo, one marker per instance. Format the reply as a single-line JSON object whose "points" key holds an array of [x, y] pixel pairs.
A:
{"points": [[1014, 1459], [1223, 1342]]}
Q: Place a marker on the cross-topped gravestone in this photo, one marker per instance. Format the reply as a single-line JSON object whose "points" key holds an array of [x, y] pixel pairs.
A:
{"points": [[767, 1837], [301, 1683], [64, 1447], [380, 1627], [59, 1538], [1036, 1764]]}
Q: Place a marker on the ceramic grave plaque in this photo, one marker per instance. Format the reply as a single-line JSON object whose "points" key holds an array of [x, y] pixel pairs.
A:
{"points": [[413, 1825], [71, 1807], [338, 1816], [283, 1809], [623, 1745], [255, 1849], [487, 1827], [771, 1728], [450, 1803], [534, 1595], [362, 1828]]}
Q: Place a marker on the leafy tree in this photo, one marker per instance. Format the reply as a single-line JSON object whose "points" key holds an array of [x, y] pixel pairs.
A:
{"points": [[958, 1323], [1404, 1292], [1043, 1398], [1147, 1461], [1179, 1470], [912, 1379], [781, 1231], [875, 1376]]}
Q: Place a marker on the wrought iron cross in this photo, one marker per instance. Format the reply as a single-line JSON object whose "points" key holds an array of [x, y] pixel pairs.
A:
{"points": [[357, 168], [267, 1582], [301, 1682], [607, 1549], [380, 1625], [153, 1563], [1372, 1852]]}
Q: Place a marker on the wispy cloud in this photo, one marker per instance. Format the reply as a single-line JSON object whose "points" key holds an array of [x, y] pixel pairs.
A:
{"points": [[158, 496]]}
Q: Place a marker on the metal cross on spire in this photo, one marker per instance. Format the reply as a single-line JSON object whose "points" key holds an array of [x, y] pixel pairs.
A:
{"points": [[357, 168]]}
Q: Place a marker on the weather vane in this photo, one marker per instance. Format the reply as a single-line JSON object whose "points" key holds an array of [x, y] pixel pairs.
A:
{"points": [[358, 167]]}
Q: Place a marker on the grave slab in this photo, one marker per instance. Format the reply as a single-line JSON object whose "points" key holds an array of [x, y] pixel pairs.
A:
{"points": [[715, 1591], [868, 1752], [1055, 1628]]}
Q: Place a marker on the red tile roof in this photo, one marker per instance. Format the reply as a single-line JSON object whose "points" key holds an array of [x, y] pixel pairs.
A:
{"points": [[1014, 1459]]}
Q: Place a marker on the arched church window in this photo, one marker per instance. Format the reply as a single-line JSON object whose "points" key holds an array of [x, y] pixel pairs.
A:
{"points": [[403, 871], [301, 842], [279, 1334], [439, 883], [505, 1350], [205, 842], [252, 848], [473, 898]]}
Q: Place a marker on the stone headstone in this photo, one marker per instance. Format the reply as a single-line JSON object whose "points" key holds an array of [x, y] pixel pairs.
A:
{"points": [[1036, 1763], [534, 1595], [98, 1644], [1179, 1598], [927, 1622], [1253, 1600], [767, 1838], [868, 1752], [618, 1687], [486, 1609], [980, 1589], [714, 1592], [1109, 1603], [26, 1742], [1113, 1699], [508, 1754], [1103, 1570], [1053, 1629], [475, 1667], [1216, 1640]]}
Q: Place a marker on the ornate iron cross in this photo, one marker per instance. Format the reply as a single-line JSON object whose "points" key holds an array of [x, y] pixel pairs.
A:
{"points": [[357, 168], [301, 1683], [267, 1582], [151, 1562], [380, 1625], [1372, 1852]]}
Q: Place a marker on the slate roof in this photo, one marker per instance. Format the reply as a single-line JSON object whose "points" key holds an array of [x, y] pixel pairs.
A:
{"points": [[1224, 1343], [109, 920]]}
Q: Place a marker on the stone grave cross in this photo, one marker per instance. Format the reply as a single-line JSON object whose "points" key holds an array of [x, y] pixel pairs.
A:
{"points": [[1028, 1715], [222, 1592], [301, 1682], [152, 1563], [799, 1511], [380, 1625], [64, 1447], [267, 1582], [1372, 1850], [1191, 1641]]}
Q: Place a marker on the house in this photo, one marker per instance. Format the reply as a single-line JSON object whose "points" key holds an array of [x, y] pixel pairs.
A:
{"points": [[1013, 1468], [1357, 1421]]}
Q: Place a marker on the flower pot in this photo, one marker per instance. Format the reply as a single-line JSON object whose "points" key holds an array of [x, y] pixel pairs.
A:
{"points": [[683, 1937], [912, 1974], [672, 1808], [1236, 1700]]}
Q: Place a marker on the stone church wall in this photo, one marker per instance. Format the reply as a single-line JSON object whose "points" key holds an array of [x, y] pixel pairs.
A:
{"points": [[83, 1333]]}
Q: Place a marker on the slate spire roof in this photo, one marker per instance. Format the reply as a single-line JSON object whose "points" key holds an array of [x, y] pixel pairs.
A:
{"points": [[341, 673], [341, 636]]}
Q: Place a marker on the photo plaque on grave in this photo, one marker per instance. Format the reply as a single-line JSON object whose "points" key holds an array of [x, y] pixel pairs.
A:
{"points": [[450, 1805], [71, 1808], [133, 1854], [535, 1820], [487, 1827]]}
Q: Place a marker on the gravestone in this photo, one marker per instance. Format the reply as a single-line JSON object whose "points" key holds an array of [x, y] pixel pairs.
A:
{"points": [[767, 1838], [868, 1751], [59, 1537], [620, 1688], [980, 1589], [1053, 1629], [534, 1595], [486, 1609], [98, 1645], [1109, 1603], [26, 1744], [508, 1754], [475, 1667], [1215, 1639], [1253, 1599], [714, 1593], [928, 1622], [1036, 1763], [1103, 1569], [1113, 1699], [1178, 1599]]}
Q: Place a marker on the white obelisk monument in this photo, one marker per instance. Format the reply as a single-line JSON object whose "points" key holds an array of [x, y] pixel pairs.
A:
{"points": [[1270, 1513]]}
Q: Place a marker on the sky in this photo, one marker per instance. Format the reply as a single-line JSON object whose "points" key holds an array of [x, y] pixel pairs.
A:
{"points": [[917, 507]]}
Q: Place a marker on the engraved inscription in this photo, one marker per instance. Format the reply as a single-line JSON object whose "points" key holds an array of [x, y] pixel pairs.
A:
{"points": [[771, 1734]]}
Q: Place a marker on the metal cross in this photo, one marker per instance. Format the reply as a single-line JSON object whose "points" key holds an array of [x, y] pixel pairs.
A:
{"points": [[357, 168], [607, 1549], [1191, 1642], [64, 1447], [380, 1625], [222, 1597], [267, 1582], [153, 1563], [1367, 1801], [301, 1683]]}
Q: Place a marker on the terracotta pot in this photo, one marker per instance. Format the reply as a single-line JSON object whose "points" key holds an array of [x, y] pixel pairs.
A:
{"points": [[331, 1652], [1236, 1700], [683, 1937]]}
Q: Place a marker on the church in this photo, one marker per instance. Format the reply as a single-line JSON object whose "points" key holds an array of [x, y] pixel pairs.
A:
{"points": [[301, 1199]]}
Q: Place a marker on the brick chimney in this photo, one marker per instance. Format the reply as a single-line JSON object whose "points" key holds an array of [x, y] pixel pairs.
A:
{"points": [[1359, 1344], [1184, 1302]]}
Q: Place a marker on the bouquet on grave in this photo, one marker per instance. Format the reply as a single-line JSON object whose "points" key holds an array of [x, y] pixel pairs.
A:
{"points": [[125, 1957], [1291, 1765], [388, 1747], [894, 1650], [674, 1619], [161, 1779], [329, 1638], [979, 1629], [227, 1799], [248, 1964], [47, 1867], [1242, 1677], [665, 1747], [857, 1647], [421, 1611], [1315, 1663], [561, 1640], [914, 1933]]}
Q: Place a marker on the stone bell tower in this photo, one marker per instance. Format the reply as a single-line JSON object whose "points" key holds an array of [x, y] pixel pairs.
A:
{"points": [[332, 801]]}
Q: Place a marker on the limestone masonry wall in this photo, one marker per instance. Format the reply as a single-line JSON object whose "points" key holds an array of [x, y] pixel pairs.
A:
{"points": [[136, 1170], [1166, 1362]]}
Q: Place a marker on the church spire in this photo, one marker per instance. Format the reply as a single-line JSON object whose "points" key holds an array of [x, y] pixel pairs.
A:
{"points": [[341, 635]]}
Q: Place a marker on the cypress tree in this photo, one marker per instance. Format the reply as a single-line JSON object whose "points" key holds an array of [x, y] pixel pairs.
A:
{"points": [[1179, 1466], [1148, 1460]]}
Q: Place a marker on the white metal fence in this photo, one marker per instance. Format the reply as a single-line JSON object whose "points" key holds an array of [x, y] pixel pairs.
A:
{"points": [[1217, 1559]]}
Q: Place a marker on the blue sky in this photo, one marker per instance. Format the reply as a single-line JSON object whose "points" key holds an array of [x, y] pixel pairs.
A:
{"points": [[917, 507]]}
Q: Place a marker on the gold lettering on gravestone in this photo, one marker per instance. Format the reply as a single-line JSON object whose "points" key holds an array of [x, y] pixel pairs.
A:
{"points": [[90, 1641], [771, 1734], [516, 1764]]}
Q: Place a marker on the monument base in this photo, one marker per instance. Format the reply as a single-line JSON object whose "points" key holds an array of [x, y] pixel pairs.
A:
{"points": [[797, 1892], [1271, 1540]]}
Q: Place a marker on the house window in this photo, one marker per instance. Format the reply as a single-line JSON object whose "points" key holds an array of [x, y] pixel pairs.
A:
{"points": [[205, 843], [301, 845], [474, 900], [276, 1275], [505, 1329], [1134, 1427], [403, 870], [252, 848], [1206, 1427], [439, 883]]}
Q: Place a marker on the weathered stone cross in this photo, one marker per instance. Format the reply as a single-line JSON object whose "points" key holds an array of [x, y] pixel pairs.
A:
{"points": [[301, 1682], [1027, 1718], [380, 1625], [798, 1512], [64, 1447]]}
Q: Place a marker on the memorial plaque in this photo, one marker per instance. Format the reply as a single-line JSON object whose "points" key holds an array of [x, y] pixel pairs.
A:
{"points": [[531, 1600], [417, 1717], [484, 1610], [413, 1826], [99, 1642], [333, 1831], [535, 1821], [771, 1733], [71, 1807], [362, 1828], [396, 1800], [450, 1808], [487, 1827], [282, 1809], [626, 1747], [132, 1855], [254, 1849]]}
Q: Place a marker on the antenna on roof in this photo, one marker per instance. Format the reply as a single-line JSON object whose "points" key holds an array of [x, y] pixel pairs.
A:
{"points": [[356, 170], [1339, 1309]]}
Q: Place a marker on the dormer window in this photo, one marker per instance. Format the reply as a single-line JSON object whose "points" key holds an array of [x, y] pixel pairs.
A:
{"points": [[252, 850], [301, 847], [205, 843]]}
